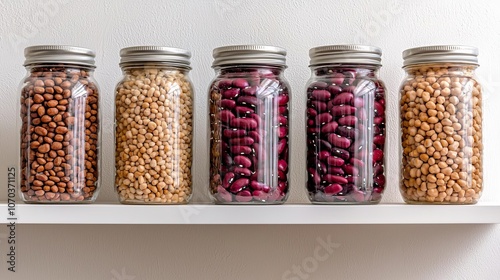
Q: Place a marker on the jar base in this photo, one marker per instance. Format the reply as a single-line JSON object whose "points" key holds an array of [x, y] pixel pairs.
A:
{"points": [[439, 203]]}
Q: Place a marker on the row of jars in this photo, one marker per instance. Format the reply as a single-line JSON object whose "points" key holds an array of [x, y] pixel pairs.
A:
{"points": [[249, 115]]}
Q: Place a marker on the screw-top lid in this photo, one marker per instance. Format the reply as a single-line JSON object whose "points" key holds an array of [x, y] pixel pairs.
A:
{"points": [[346, 54], [249, 55], [441, 54], [140, 55], [59, 54]]}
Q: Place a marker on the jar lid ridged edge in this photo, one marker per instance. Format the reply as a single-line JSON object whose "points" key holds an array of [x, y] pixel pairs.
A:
{"points": [[65, 54], [441, 54]]}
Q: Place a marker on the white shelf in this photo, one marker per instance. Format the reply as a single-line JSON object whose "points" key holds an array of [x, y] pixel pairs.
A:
{"points": [[114, 213]]}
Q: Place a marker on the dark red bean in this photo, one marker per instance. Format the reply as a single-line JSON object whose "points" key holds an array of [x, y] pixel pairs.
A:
{"points": [[282, 165], [232, 133], [243, 141], [378, 120], [242, 161], [339, 141], [333, 189], [379, 109], [348, 120], [283, 120], [335, 171], [256, 118], [356, 162], [223, 195], [323, 155], [249, 90], [227, 103], [283, 100], [329, 127], [311, 112], [318, 85], [351, 170], [226, 116], [334, 89], [242, 110], [320, 106], [260, 195], [320, 94], [230, 93], [359, 102], [378, 155], [245, 123], [347, 131], [242, 171], [283, 110], [341, 153], [323, 118], [313, 173], [225, 83], [335, 161], [282, 132], [228, 179], [380, 180], [335, 179], [342, 110], [244, 196], [338, 78], [379, 140], [345, 98], [243, 150], [378, 169], [257, 186], [241, 83], [281, 145], [255, 135], [239, 184], [249, 100]]}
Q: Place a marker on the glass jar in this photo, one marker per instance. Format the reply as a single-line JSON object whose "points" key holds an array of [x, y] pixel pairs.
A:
{"points": [[249, 104], [60, 134], [154, 126], [441, 126], [345, 119]]}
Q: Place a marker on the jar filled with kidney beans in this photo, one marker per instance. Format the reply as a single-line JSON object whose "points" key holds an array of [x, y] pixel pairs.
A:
{"points": [[249, 108], [345, 125], [60, 153]]}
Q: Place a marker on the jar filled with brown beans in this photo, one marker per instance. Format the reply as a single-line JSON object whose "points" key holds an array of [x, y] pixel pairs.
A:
{"points": [[441, 126], [60, 126], [154, 126]]}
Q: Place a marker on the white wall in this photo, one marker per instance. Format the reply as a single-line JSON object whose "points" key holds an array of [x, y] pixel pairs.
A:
{"points": [[251, 252]]}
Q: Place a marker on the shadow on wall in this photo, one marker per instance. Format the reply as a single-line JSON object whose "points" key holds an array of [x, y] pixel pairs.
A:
{"points": [[259, 252]]}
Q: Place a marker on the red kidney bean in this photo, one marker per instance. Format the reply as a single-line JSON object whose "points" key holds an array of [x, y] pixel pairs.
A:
{"points": [[339, 141], [345, 98], [348, 120], [351, 170], [240, 83], [378, 169], [249, 100], [329, 127], [338, 78], [378, 155], [244, 196], [323, 155], [282, 145], [282, 165], [342, 110], [335, 171], [242, 110], [245, 150], [347, 131], [320, 94], [231, 133], [242, 171], [242, 161], [225, 83], [256, 118], [283, 100], [257, 186], [334, 89], [379, 140], [245, 123], [243, 141], [230, 93], [379, 109], [319, 106], [228, 179], [335, 179], [323, 118], [282, 132], [283, 120], [318, 85], [226, 116], [255, 136], [335, 161], [250, 90], [314, 175], [227, 103], [239, 184], [380, 180], [357, 163], [311, 112], [333, 189], [378, 120]]}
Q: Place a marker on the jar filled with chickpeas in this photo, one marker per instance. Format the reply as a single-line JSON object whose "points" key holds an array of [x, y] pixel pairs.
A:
{"points": [[154, 126], [441, 126]]}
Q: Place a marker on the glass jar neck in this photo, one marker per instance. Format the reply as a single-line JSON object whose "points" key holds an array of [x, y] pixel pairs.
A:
{"points": [[58, 67], [359, 69], [245, 69], [154, 67], [456, 69]]}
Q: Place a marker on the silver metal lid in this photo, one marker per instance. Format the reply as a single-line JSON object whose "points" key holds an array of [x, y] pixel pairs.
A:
{"points": [[140, 55], [441, 54], [346, 54], [248, 55], [59, 54]]}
